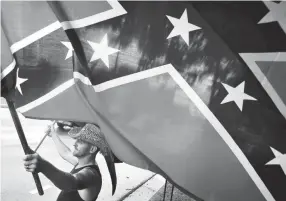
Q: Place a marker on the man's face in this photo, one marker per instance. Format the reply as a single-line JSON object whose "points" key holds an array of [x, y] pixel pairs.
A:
{"points": [[81, 148]]}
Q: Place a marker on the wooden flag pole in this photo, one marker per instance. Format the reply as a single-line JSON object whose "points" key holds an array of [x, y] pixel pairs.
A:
{"points": [[23, 140], [41, 142], [46, 134]]}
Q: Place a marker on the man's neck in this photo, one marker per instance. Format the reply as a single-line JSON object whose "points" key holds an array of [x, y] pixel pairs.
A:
{"points": [[85, 161]]}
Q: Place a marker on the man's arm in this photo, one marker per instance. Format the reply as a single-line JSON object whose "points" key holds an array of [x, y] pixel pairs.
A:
{"points": [[63, 150], [62, 180]]}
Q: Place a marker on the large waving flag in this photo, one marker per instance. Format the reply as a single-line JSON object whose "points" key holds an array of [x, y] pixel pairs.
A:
{"points": [[193, 91]]}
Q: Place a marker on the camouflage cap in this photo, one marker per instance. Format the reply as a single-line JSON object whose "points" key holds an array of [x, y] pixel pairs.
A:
{"points": [[92, 134]]}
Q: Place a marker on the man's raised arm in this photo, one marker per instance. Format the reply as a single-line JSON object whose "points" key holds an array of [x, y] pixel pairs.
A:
{"points": [[63, 149]]}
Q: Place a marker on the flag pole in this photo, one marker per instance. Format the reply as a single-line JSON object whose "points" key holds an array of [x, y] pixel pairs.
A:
{"points": [[46, 134], [24, 143], [40, 143]]}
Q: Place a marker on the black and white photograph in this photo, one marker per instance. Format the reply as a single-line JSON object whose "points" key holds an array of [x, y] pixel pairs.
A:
{"points": [[143, 101]]}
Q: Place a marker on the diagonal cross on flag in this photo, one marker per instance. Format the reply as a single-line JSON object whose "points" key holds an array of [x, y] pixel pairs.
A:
{"points": [[268, 67], [158, 93]]}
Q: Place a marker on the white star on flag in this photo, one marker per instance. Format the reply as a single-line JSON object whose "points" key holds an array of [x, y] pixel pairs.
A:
{"points": [[20, 81], [280, 159], [70, 49], [102, 51], [277, 12], [182, 27], [236, 94]]}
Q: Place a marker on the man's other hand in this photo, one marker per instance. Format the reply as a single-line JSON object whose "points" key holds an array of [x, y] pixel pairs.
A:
{"points": [[50, 130]]}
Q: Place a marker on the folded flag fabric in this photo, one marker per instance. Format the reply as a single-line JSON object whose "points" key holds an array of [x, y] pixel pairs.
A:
{"points": [[194, 91]]}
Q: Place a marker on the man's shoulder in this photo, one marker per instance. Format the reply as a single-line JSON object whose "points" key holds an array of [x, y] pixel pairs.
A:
{"points": [[88, 177], [90, 171], [91, 181]]}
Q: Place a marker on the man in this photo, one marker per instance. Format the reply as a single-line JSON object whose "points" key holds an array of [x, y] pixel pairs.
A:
{"points": [[84, 182]]}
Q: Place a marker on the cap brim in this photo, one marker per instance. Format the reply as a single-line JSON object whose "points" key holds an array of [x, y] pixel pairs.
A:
{"points": [[75, 132]]}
